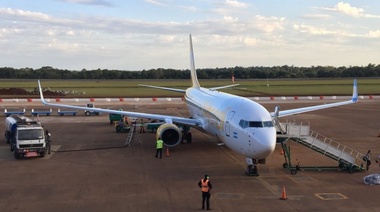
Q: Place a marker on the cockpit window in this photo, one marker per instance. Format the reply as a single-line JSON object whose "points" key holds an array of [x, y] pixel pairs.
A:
{"points": [[256, 124]]}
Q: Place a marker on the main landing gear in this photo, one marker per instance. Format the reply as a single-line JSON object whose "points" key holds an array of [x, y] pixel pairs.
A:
{"points": [[251, 167]]}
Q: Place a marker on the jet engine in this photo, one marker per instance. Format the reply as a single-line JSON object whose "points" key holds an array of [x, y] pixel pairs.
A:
{"points": [[170, 134]]}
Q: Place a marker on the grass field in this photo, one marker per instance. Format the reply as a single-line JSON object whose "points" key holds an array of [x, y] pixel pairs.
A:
{"points": [[251, 88]]}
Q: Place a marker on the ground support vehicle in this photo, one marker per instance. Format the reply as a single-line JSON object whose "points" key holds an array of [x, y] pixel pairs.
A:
{"points": [[114, 118], [153, 126], [9, 113], [90, 112], [122, 128], [25, 136], [42, 112], [67, 112]]}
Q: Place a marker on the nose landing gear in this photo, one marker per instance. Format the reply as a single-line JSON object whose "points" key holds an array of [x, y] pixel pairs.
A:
{"points": [[251, 167]]}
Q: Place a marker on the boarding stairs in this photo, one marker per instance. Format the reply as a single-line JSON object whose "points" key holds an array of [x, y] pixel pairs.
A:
{"points": [[130, 136], [347, 158]]}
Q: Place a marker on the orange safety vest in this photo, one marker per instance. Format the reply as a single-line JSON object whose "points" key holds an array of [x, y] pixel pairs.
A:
{"points": [[205, 187]]}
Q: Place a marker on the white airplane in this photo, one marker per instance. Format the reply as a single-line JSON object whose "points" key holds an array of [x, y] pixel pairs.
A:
{"points": [[241, 124]]}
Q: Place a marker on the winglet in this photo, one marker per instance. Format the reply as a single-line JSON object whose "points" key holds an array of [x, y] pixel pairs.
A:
{"points": [[193, 73], [41, 93], [355, 92]]}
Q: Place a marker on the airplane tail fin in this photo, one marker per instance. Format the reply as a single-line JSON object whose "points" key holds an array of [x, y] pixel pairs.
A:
{"points": [[355, 92], [193, 73]]}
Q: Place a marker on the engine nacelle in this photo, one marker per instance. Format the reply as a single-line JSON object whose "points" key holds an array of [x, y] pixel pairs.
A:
{"points": [[170, 134]]}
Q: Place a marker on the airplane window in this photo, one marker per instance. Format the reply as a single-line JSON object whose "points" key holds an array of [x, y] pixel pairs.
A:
{"points": [[257, 124], [243, 123], [268, 124]]}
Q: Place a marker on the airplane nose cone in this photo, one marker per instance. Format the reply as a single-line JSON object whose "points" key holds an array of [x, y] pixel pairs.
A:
{"points": [[265, 142]]}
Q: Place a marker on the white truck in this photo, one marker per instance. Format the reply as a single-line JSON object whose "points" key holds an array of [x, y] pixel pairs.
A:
{"points": [[25, 136]]}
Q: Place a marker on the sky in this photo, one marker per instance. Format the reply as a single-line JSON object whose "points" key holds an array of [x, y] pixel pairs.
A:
{"points": [[150, 34]]}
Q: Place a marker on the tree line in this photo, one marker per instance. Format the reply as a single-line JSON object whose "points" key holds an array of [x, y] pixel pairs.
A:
{"points": [[254, 72]]}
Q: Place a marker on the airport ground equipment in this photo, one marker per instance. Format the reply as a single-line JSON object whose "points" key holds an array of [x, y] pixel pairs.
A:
{"points": [[90, 112], [25, 136], [347, 158], [131, 136], [41, 112], [121, 128], [115, 118], [67, 112], [372, 179], [9, 113], [153, 126]]}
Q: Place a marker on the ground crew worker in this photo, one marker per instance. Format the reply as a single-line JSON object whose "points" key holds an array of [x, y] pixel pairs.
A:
{"points": [[159, 146], [126, 120], [48, 141], [367, 158], [142, 130], [206, 187]]}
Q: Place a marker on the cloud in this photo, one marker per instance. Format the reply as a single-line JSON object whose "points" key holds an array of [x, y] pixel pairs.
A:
{"points": [[157, 3], [374, 34], [90, 2], [15, 13], [229, 6], [347, 9], [313, 30], [316, 16], [189, 8], [234, 3], [322, 31], [269, 24]]}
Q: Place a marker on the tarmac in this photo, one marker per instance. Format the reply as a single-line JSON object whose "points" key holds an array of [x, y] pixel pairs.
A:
{"points": [[90, 169]]}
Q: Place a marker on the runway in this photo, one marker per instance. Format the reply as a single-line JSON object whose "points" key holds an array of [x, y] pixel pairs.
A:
{"points": [[90, 170]]}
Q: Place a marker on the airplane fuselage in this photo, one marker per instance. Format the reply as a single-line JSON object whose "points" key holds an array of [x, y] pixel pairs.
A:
{"points": [[241, 124]]}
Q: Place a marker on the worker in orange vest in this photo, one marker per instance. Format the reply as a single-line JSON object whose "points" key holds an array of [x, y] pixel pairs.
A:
{"points": [[206, 187]]}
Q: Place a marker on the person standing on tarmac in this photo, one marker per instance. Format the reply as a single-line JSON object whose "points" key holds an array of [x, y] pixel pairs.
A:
{"points": [[48, 141], [367, 158], [159, 146], [206, 187], [142, 130]]}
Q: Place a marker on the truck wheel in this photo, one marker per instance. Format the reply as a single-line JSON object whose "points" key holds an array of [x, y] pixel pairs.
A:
{"points": [[17, 156], [87, 113], [42, 154]]}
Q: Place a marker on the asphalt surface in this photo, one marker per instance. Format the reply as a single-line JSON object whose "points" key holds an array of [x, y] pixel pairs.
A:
{"points": [[90, 169]]}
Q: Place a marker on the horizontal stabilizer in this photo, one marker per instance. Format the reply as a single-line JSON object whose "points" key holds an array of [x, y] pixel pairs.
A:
{"points": [[164, 88], [222, 87]]}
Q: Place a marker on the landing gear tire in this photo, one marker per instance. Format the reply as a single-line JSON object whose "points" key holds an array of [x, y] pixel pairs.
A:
{"points": [[252, 170], [189, 138]]}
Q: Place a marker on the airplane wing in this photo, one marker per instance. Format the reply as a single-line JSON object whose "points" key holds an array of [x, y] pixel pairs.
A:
{"points": [[318, 107], [168, 119], [164, 88]]}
